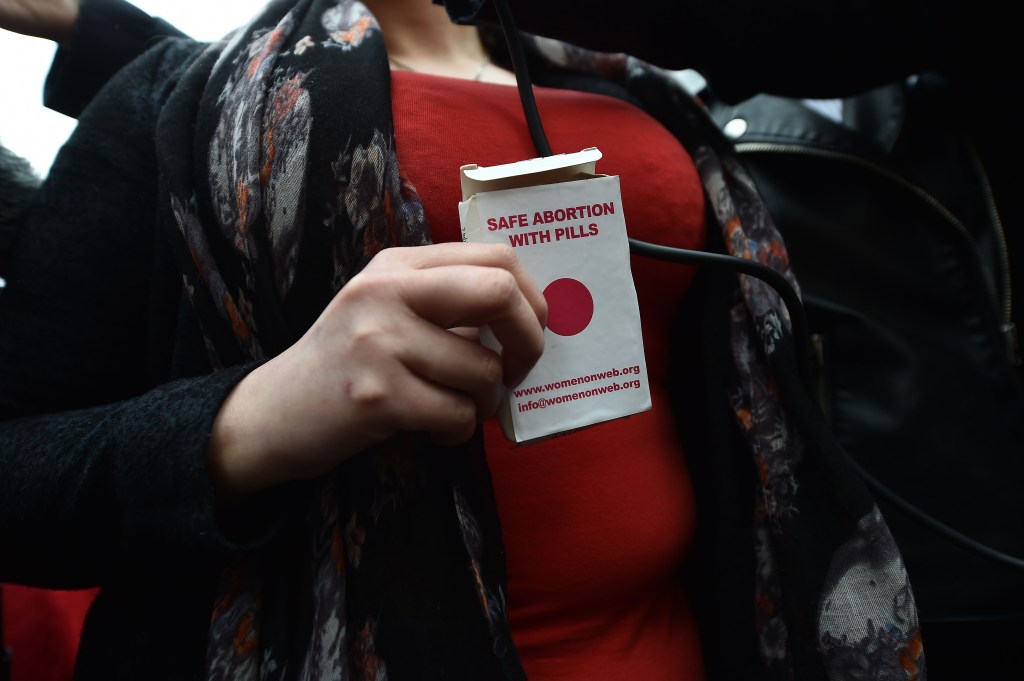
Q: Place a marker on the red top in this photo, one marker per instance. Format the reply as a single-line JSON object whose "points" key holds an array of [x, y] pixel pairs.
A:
{"points": [[596, 522]]}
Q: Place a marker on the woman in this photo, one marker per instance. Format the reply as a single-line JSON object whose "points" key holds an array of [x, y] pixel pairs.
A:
{"points": [[286, 168]]}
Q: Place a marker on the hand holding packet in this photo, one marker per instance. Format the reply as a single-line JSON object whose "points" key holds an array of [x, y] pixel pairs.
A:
{"points": [[566, 224]]}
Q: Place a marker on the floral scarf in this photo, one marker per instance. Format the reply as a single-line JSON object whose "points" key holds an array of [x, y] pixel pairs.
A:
{"points": [[280, 182]]}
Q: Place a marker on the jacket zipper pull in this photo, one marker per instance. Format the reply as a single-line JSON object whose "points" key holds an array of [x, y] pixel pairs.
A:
{"points": [[1012, 345]]}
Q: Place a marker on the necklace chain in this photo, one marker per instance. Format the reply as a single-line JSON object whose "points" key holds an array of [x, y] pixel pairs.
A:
{"points": [[405, 67]]}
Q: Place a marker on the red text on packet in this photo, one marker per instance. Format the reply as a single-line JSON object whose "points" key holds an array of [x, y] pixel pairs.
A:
{"points": [[507, 222], [583, 212]]}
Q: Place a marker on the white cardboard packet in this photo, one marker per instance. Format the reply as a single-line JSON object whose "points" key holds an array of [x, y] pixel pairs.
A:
{"points": [[567, 226]]}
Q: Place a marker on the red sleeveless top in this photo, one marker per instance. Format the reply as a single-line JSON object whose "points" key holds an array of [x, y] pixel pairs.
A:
{"points": [[595, 523]]}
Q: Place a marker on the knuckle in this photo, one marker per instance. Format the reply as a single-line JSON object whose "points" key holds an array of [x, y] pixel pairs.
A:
{"points": [[530, 345], [463, 415], [388, 256], [535, 345], [370, 286], [491, 369], [369, 341], [359, 287], [368, 392], [506, 256], [501, 286], [542, 310]]}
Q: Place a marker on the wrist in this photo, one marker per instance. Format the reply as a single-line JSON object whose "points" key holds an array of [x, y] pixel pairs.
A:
{"points": [[65, 19], [56, 21], [238, 453]]}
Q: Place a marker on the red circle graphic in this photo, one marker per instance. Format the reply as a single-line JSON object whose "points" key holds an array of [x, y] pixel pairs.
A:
{"points": [[570, 306]]}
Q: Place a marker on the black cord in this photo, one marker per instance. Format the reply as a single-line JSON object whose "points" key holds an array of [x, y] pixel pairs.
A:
{"points": [[937, 526], [521, 71], [678, 255], [771, 277]]}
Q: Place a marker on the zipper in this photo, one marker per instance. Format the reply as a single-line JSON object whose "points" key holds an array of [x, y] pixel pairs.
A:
{"points": [[821, 378], [1002, 305], [1009, 329]]}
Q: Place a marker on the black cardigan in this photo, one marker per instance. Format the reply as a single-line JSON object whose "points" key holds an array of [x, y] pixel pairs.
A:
{"points": [[94, 314]]}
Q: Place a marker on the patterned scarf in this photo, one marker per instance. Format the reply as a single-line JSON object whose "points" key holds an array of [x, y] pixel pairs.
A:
{"points": [[280, 182]]}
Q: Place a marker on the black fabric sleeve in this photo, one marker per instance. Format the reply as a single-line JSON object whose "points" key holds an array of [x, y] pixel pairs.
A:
{"points": [[118, 485], [102, 457], [108, 35], [803, 48]]}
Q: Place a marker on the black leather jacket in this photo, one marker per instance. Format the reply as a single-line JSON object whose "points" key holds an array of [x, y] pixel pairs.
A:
{"points": [[904, 265]]}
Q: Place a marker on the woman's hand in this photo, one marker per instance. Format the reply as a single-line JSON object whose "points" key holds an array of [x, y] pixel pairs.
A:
{"points": [[51, 19], [383, 357]]}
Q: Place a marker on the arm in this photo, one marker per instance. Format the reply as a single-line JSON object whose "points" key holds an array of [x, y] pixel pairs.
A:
{"points": [[137, 480], [86, 492], [390, 353], [50, 19], [140, 482], [107, 35], [83, 322], [96, 38]]}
